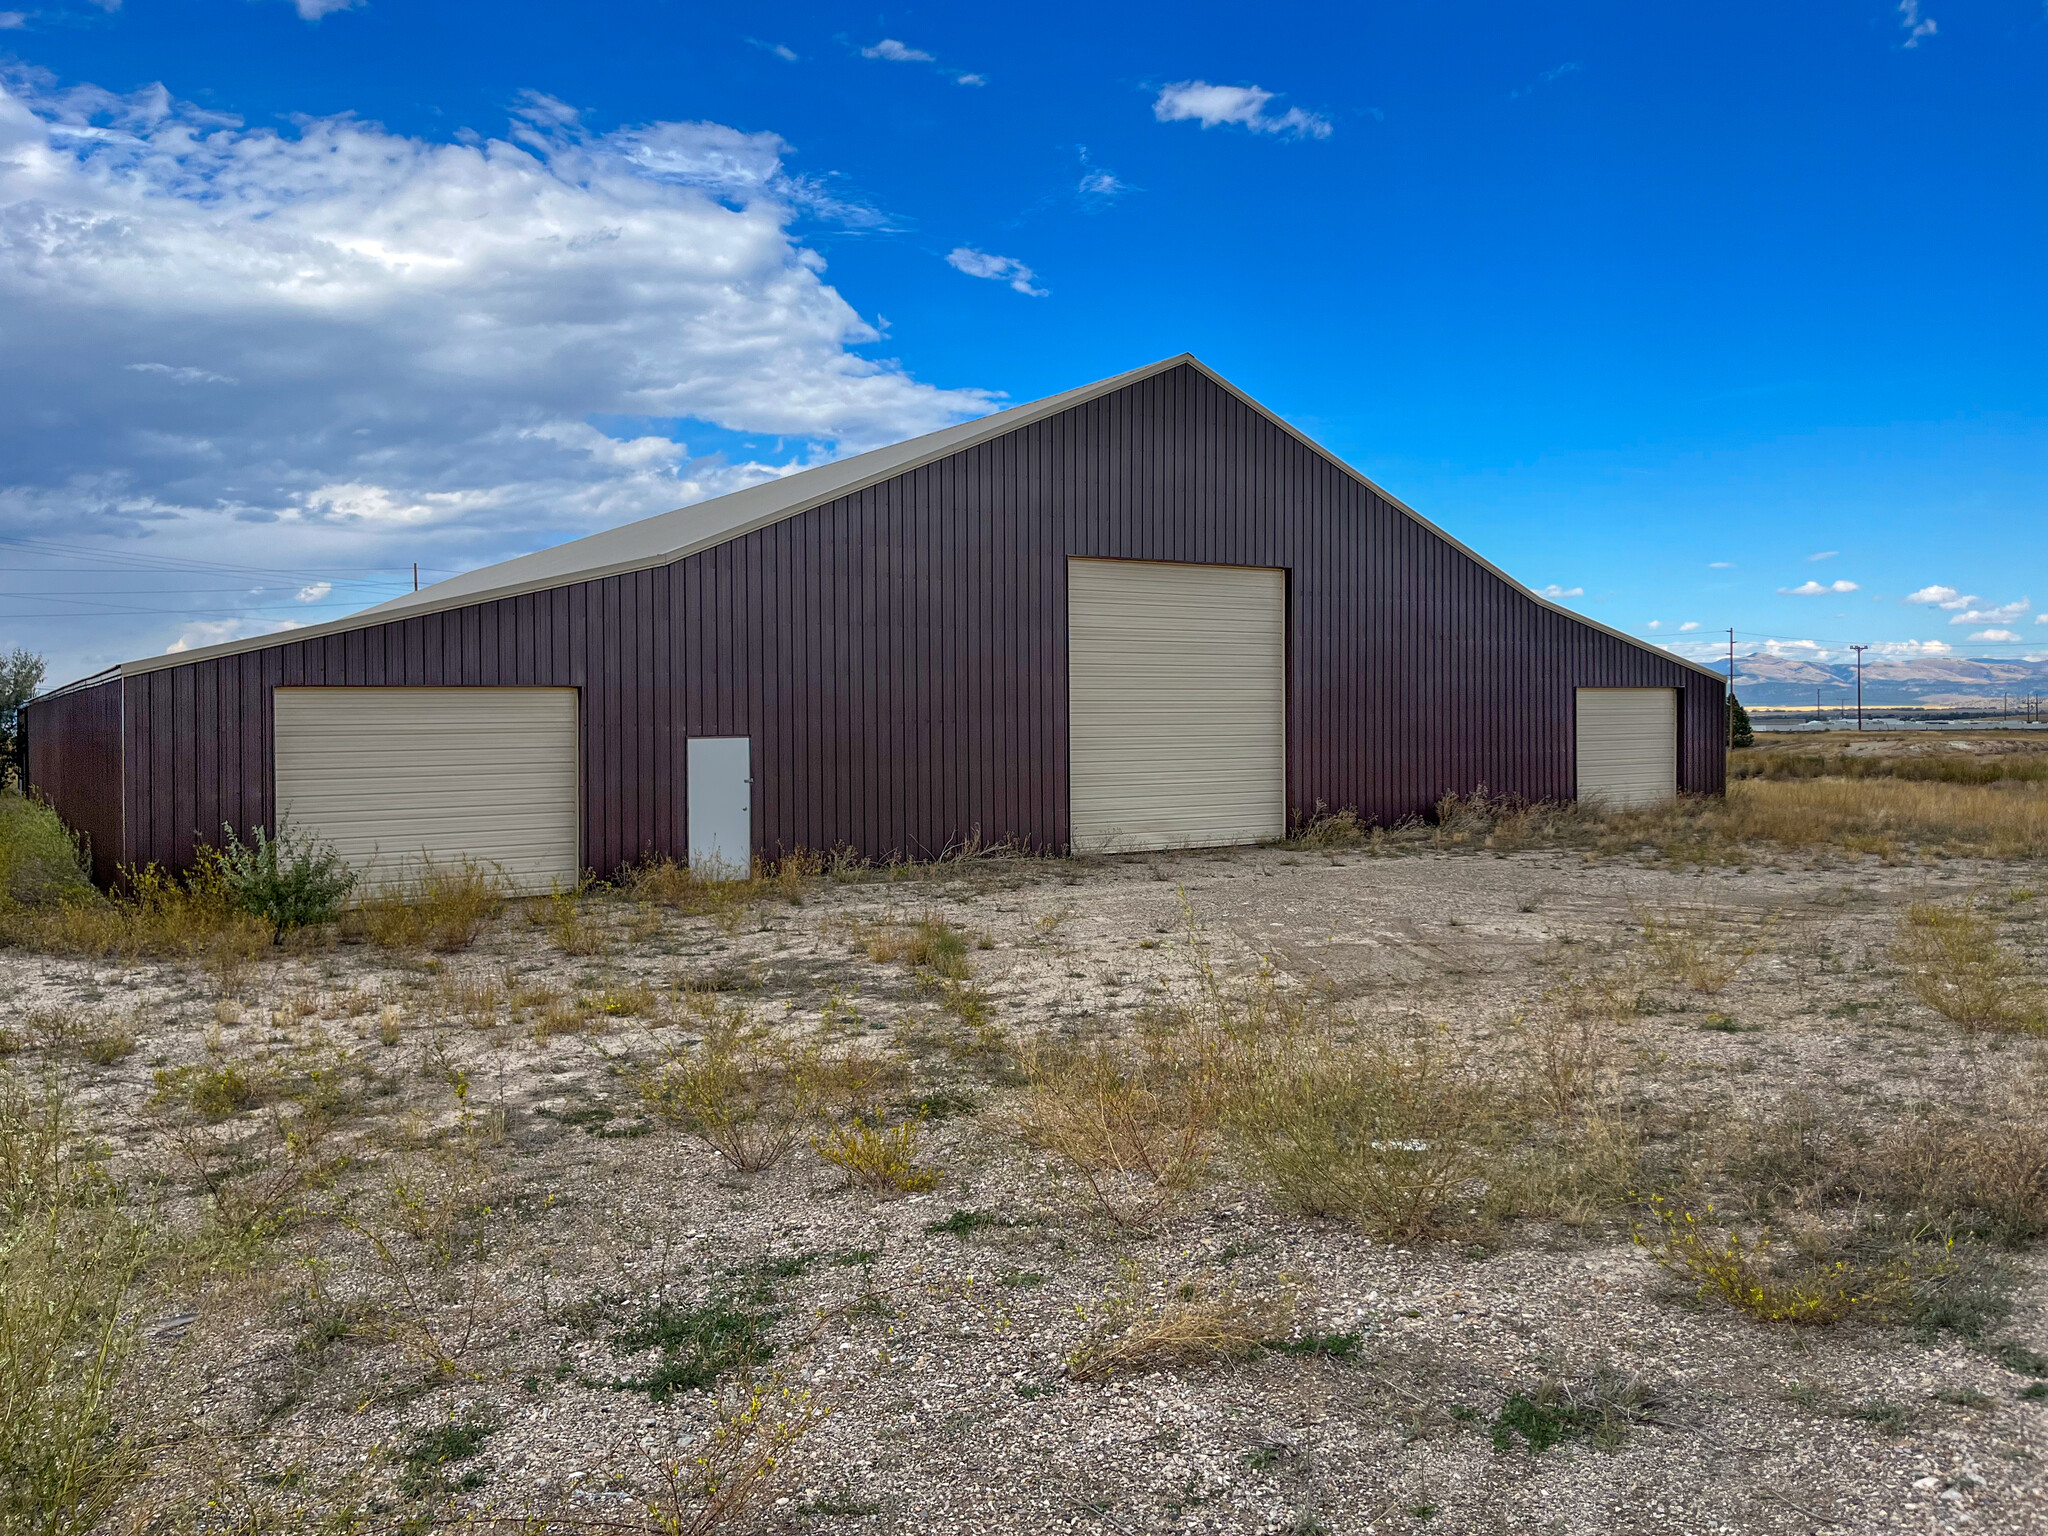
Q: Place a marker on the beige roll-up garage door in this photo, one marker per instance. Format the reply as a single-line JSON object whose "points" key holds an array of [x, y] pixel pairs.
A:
{"points": [[1176, 704], [1628, 745], [394, 775]]}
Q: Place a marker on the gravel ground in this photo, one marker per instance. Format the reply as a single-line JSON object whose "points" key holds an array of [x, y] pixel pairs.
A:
{"points": [[295, 1370]]}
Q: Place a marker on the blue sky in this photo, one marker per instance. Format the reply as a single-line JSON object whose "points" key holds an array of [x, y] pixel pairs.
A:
{"points": [[1728, 316]]}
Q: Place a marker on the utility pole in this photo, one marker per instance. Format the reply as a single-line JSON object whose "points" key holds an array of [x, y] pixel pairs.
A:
{"points": [[415, 575], [1859, 650]]}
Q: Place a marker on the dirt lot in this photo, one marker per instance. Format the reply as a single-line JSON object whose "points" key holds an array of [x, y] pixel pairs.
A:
{"points": [[438, 1260]]}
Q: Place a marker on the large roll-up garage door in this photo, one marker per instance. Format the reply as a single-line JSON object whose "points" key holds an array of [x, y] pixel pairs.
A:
{"points": [[1628, 745], [1176, 704], [390, 776]]}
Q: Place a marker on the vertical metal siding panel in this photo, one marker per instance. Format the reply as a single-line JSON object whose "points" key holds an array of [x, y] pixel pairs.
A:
{"points": [[206, 683]]}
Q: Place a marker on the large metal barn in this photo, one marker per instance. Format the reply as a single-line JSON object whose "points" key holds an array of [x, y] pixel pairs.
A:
{"points": [[1142, 614]]}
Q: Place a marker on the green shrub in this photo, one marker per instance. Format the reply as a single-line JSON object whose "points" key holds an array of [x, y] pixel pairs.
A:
{"points": [[41, 862], [291, 880]]}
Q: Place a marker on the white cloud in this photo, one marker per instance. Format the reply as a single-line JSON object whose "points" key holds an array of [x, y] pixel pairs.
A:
{"points": [[1100, 184], [970, 78], [1548, 77], [1554, 592], [1940, 597], [1916, 26], [1720, 565], [207, 632], [1912, 648], [12, 20], [2041, 618], [314, 591], [2003, 613], [897, 53], [313, 10], [1826, 554], [1655, 624], [1214, 106], [2003, 635], [428, 337], [782, 51], [1688, 626], [1815, 589], [181, 375], [1002, 269]]}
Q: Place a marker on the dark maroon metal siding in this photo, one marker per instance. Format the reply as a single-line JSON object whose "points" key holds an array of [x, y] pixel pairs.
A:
{"points": [[74, 762], [899, 655]]}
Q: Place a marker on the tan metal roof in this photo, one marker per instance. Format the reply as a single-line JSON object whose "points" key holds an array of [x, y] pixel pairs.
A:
{"points": [[670, 536]]}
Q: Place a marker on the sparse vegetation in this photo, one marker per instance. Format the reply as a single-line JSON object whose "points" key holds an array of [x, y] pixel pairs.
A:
{"points": [[442, 907], [1956, 965], [1137, 1329], [882, 1159], [368, 1203]]}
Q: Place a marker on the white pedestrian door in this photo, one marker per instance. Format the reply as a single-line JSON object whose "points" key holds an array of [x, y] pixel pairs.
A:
{"points": [[721, 791], [1628, 746]]}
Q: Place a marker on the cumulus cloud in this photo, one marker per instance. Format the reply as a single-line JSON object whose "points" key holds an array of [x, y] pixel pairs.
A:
{"points": [[1001, 269], [782, 51], [2003, 613], [2003, 635], [1916, 26], [897, 52], [1940, 597], [1688, 626], [1243, 106], [312, 592], [447, 352], [1554, 591], [313, 10], [1908, 648], [1816, 589]]}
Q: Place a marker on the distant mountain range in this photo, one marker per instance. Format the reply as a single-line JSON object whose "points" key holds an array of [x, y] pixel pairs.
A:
{"points": [[1939, 681]]}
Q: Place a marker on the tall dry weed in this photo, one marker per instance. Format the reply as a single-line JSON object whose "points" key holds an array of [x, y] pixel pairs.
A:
{"points": [[1955, 964]]}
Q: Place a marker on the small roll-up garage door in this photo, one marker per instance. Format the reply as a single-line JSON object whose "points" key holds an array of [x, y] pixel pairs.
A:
{"points": [[1176, 704], [1628, 745], [390, 776]]}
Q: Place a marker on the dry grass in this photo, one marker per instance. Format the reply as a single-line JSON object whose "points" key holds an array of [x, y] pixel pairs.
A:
{"points": [[1382, 1132], [442, 907], [1703, 949], [751, 1097], [159, 917], [1985, 1175], [68, 1258], [1888, 817], [1956, 965], [1138, 1129], [1191, 1325]]}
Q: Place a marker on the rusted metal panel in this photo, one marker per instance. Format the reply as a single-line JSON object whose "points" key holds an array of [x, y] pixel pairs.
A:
{"points": [[899, 655]]}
